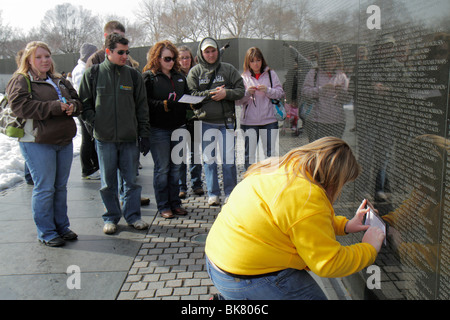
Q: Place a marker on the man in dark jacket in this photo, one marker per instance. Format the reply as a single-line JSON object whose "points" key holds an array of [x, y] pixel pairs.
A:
{"points": [[115, 106], [99, 56]]}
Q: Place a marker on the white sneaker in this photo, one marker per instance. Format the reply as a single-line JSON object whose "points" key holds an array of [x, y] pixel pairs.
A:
{"points": [[140, 225], [94, 176], [214, 201], [109, 228]]}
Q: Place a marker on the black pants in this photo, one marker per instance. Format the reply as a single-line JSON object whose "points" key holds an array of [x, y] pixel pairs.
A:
{"points": [[88, 154]]}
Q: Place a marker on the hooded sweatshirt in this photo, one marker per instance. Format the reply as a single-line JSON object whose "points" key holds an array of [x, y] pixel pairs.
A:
{"points": [[225, 74]]}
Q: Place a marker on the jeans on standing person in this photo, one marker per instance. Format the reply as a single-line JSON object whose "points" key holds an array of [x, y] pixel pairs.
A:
{"points": [[49, 166], [288, 284], [195, 169], [213, 136], [267, 134], [122, 156], [166, 174]]}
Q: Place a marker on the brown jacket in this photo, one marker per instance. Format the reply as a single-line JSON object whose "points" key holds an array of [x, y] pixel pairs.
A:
{"points": [[50, 124]]}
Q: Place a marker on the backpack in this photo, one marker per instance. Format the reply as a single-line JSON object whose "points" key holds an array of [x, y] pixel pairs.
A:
{"points": [[11, 125]]}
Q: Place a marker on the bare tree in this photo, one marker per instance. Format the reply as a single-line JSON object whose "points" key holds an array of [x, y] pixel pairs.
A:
{"points": [[67, 27], [302, 12], [5, 39], [134, 31], [237, 15], [149, 16], [276, 18], [211, 17], [177, 20]]}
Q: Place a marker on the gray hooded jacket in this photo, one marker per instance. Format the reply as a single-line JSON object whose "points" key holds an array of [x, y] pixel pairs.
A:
{"points": [[217, 112]]}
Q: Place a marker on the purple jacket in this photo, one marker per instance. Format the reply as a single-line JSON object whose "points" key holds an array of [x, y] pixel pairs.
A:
{"points": [[257, 109]]}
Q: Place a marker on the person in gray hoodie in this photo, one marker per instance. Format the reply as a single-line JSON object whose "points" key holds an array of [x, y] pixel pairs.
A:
{"points": [[221, 85]]}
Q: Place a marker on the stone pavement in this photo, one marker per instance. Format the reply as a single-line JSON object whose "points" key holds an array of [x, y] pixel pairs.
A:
{"points": [[165, 262]]}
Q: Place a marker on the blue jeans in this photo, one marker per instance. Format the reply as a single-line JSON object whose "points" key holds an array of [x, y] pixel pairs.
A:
{"points": [[49, 166], [166, 174], [195, 169], [267, 133], [213, 136], [119, 158], [288, 284]]}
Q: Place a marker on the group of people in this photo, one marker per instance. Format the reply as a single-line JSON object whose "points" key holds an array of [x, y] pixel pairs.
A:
{"points": [[124, 112], [277, 223]]}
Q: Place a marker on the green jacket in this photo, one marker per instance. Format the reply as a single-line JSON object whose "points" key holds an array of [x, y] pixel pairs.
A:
{"points": [[198, 79], [120, 111]]}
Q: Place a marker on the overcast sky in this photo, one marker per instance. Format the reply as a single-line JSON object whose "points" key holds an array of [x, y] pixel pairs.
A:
{"points": [[27, 14]]}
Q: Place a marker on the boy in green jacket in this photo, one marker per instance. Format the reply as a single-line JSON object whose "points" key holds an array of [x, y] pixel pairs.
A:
{"points": [[115, 106]]}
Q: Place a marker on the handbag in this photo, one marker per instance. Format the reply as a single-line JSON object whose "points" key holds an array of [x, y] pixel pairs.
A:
{"points": [[11, 125], [278, 106]]}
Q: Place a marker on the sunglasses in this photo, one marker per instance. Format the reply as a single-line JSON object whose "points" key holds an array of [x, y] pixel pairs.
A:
{"points": [[122, 52], [168, 59]]}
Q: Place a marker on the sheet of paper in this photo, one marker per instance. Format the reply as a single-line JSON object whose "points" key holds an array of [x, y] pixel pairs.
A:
{"points": [[191, 99], [372, 219]]}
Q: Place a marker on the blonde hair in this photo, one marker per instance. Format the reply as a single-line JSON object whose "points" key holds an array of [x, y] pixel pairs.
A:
{"points": [[29, 53], [328, 162]]}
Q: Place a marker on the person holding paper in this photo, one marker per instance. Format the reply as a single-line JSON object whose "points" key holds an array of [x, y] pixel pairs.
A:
{"points": [[222, 85], [165, 86], [279, 223]]}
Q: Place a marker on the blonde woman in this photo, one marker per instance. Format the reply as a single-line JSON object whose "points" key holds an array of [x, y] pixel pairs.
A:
{"points": [[279, 222], [47, 143]]}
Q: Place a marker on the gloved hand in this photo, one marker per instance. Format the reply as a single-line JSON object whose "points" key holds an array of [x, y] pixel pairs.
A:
{"points": [[144, 145]]}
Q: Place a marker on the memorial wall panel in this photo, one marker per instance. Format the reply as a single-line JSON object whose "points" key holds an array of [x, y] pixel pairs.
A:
{"points": [[394, 55]]}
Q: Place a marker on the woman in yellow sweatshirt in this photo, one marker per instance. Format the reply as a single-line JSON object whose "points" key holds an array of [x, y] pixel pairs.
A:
{"points": [[279, 222]]}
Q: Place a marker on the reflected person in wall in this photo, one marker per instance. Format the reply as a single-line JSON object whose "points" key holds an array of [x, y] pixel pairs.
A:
{"points": [[328, 86], [414, 225], [387, 74]]}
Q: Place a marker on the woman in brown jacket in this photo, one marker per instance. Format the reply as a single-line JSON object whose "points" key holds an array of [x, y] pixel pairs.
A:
{"points": [[47, 143]]}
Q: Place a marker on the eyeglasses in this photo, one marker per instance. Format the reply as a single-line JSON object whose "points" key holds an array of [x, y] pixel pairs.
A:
{"points": [[168, 59], [122, 52]]}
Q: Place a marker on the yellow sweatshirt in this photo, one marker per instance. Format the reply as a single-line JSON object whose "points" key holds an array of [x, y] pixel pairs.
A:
{"points": [[267, 227]]}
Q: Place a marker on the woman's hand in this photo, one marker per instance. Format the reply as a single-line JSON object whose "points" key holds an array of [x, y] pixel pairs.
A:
{"points": [[262, 88], [67, 108], [375, 237], [252, 90], [356, 224]]}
